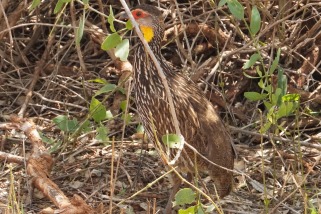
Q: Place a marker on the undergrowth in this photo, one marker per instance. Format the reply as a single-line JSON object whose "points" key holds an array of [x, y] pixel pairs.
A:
{"points": [[278, 167]]}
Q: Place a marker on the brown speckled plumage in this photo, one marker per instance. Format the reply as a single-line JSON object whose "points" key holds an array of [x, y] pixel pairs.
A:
{"points": [[198, 121]]}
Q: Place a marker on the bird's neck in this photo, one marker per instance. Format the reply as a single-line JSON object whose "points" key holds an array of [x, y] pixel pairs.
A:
{"points": [[143, 61], [144, 68], [154, 45]]}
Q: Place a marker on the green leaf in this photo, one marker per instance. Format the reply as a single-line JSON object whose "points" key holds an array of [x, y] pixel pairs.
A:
{"points": [[106, 89], [210, 208], [255, 21], [65, 124], [99, 80], [190, 210], [122, 50], [129, 25], [275, 62], [258, 71], [268, 89], [253, 59], [184, 196], [266, 127], [46, 139], [236, 9], [72, 125], [121, 89], [85, 127], [111, 41], [97, 110], [221, 3], [276, 97], [109, 115], [267, 105], [102, 133], [173, 141], [200, 210], [80, 29], [85, 1], [254, 96], [61, 121], [56, 146], [289, 105], [271, 116], [261, 84], [123, 105], [312, 208], [266, 202], [285, 109], [59, 5], [282, 82], [34, 4], [212, 3], [111, 19], [291, 98], [251, 77], [140, 129], [197, 209]]}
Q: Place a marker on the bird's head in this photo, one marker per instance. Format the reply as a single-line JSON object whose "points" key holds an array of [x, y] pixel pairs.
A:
{"points": [[150, 21]]}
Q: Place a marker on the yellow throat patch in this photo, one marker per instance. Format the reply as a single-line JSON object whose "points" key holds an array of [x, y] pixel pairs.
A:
{"points": [[147, 32]]}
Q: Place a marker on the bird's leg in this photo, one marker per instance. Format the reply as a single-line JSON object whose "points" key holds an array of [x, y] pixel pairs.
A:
{"points": [[176, 183]]}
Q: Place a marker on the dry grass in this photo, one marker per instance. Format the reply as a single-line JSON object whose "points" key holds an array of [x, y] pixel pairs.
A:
{"points": [[42, 75]]}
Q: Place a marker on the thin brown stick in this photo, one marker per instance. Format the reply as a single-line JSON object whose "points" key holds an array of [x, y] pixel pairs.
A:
{"points": [[269, 136], [11, 158], [112, 183], [79, 53], [39, 68]]}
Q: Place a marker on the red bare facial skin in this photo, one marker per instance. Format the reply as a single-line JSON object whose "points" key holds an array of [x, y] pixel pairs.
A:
{"points": [[139, 14]]}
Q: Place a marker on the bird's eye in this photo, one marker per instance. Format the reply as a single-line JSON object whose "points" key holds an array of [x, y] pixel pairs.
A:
{"points": [[138, 14]]}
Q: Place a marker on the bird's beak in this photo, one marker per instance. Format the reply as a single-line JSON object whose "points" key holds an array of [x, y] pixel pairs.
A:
{"points": [[123, 16]]}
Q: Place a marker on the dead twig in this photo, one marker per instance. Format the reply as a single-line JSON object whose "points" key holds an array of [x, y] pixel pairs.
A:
{"points": [[270, 136], [39, 165]]}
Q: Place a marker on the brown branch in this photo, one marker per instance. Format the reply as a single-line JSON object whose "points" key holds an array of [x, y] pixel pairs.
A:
{"points": [[11, 158], [216, 37], [38, 168]]}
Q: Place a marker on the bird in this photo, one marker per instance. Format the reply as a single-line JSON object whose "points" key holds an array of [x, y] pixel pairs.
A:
{"points": [[199, 123]]}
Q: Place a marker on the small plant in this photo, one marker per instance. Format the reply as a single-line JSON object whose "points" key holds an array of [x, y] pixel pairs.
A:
{"points": [[114, 40], [275, 98], [272, 81], [14, 202], [185, 197], [97, 115]]}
